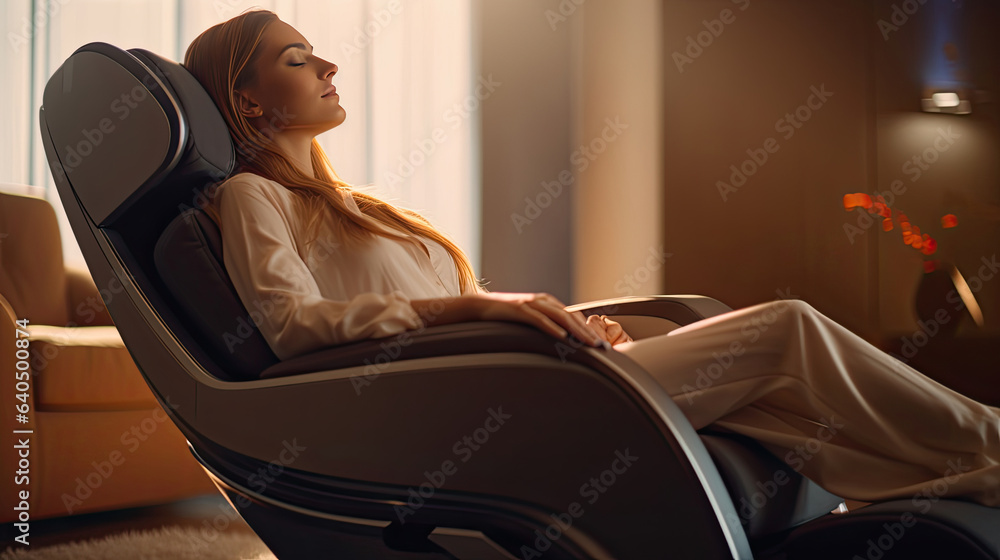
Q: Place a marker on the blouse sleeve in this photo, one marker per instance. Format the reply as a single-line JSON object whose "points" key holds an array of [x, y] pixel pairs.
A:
{"points": [[271, 278]]}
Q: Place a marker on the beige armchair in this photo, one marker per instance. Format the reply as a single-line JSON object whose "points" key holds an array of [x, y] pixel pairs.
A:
{"points": [[100, 439]]}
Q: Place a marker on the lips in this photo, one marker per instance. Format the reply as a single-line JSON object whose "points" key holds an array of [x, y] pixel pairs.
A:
{"points": [[329, 91]]}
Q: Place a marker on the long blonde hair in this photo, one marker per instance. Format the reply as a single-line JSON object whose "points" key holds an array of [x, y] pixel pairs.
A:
{"points": [[222, 59]]}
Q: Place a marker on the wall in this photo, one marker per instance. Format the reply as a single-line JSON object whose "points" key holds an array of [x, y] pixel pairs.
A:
{"points": [[695, 110], [781, 92], [618, 220], [963, 178], [525, 142], [784, 227], [579, 112]]}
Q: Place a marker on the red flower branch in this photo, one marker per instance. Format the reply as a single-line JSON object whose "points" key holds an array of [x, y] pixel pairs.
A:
{"points": [[911, 234]]}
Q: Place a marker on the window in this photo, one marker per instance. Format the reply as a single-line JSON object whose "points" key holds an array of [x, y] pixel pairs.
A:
{"points": [[406, 75]]}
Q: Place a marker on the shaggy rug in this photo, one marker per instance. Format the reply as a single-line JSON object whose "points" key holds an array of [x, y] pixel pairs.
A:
{"points": [[165, 543]]}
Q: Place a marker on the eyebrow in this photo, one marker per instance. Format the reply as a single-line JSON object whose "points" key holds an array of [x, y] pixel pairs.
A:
{"points": [[293, 45]]}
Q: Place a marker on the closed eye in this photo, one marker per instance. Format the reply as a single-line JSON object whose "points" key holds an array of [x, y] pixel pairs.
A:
{"points": [[299, 64]]}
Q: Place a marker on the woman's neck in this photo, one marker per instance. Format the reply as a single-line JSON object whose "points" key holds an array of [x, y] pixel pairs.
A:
{"points": [[298, 149]]}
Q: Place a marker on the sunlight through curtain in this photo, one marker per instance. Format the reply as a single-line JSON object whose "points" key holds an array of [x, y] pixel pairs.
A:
{"points": [[406, 78]]}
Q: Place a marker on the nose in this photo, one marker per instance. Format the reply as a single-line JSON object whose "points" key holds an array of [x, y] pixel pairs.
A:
{"points": [[330, 70]]}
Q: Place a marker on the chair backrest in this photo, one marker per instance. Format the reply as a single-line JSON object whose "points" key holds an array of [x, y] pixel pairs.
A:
{"points": [[143, 146], [189, 259]]}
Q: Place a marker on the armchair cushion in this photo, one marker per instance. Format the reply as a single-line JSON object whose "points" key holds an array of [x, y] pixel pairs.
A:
{"points": [[85, 368]]}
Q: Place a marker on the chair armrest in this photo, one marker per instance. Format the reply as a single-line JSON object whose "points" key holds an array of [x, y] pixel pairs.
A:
{"points": [[480, 337], [681, 309], [85, 307], [476, 337]]}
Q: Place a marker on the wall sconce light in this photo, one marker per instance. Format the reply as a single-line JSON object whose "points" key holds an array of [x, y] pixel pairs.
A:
{"points": [[946, 102]]}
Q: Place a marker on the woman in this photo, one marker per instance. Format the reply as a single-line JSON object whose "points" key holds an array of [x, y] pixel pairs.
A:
{"points": [[338, 265]]}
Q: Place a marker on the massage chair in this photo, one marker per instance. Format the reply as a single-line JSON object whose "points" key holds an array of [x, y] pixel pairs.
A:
{"points": [[484, 440]]}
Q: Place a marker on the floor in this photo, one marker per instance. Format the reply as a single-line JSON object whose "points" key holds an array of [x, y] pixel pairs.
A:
{"points": [[194, 512]]}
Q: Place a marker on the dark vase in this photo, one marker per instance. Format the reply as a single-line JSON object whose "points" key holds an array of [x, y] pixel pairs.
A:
{"points": [[937, 299]]}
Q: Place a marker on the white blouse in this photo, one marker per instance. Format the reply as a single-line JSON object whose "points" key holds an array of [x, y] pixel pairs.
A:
{"points": [[338, 292]]}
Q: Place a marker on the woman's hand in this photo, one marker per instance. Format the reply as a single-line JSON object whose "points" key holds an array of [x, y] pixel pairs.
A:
{"points": [[608, 330], [539, 310]]}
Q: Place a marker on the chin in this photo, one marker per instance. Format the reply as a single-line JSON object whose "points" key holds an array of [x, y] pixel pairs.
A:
{"points": [[340, 118], [331, 122], [336, 122]]}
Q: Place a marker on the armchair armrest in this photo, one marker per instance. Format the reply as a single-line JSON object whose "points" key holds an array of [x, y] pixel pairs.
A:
{"points": [[85, 368], [85, 306], [8, 360]]}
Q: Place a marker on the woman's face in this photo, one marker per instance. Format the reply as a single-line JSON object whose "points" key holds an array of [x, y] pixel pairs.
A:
{"points": [[293, 88]]}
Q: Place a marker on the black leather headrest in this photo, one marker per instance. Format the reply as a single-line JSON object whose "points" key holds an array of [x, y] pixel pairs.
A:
{"points": [[139, 141], [127, 124], [189, 259]]}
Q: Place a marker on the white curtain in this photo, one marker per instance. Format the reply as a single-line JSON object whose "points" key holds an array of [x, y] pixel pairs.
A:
{"points": [[407, 79]]}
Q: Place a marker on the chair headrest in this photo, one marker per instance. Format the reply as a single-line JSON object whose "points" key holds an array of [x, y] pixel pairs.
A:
{"points": [[123, 123], [139, 143]]}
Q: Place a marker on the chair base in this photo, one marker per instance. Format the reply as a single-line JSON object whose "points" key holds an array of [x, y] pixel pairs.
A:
{"points": [[292, 532], [294, 536]]}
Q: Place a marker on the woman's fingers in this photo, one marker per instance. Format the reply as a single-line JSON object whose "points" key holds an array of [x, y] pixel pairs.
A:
{"points": [[552, 299], [545, 312], [599, 326], [576, 317], [612, 330], [543, 322], [623, 337], [579, 320], [576, 325]]}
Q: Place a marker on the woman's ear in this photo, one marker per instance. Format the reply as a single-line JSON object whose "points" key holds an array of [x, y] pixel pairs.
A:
{"points": [[247, 106]]}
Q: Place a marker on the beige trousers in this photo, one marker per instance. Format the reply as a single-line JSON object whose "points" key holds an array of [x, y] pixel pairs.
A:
{"points": [[853, 419]]}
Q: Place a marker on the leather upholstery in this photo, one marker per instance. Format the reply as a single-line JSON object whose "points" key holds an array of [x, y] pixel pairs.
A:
{"points": [[769, 495], [189, 259]]}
